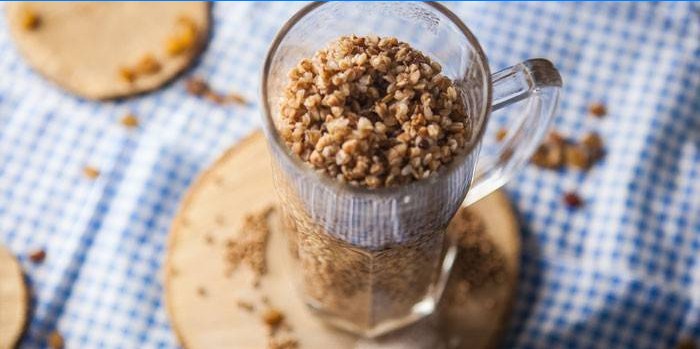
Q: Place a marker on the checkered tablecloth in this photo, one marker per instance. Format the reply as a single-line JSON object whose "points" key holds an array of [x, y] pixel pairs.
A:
{"points": [[619, 273]]}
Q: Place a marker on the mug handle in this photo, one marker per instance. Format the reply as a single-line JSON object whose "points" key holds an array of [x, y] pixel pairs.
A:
{"points": [[538, 81]]}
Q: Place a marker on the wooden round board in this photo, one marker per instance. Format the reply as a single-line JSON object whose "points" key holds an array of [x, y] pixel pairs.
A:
{"points": [[13, 300], [204, 302], [109, 50]]}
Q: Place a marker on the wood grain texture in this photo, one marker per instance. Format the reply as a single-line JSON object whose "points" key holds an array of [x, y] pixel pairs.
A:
{"points": [[13, 300], [211, 213]]}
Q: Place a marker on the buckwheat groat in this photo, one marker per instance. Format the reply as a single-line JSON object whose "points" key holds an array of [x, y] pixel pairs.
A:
{"points": [[373, 112]]}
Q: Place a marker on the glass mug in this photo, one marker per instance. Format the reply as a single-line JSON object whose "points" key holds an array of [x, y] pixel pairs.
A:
{"points": [[373, 260]]}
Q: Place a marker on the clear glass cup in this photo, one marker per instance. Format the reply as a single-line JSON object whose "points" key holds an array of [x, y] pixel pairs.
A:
{"points": [[373, 260]]}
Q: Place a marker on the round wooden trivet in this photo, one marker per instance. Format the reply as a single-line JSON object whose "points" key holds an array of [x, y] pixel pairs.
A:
{"points": [[203, 302], [13, 300], [96, 50]]}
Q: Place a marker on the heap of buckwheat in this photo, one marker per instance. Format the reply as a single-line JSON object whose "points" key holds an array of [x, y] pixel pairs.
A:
{"points": [[249, 247], [373, 112]]}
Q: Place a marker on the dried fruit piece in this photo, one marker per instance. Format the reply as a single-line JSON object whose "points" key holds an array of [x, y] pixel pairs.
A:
{"points": [[592, 140], [557, 151], [501, 134], [37, 256], [147, 65], [91, 172], [550, 154], [573, 200], [183, 38], [273, 317], [586, 153], [577, 157], [197, 86], [557, 138], [540, 157], [55, 340], [127, 74], [594, 145], [597, 109], [30, 20], [130, 121]]}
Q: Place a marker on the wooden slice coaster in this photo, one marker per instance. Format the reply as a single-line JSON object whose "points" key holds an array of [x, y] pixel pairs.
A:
{"points": [[108, 50], [210, 309], [13, 300]]}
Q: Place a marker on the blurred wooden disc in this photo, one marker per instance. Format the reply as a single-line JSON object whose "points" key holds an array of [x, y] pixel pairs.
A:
{"points": [[202, 300], [83, 46], [13, 300]]}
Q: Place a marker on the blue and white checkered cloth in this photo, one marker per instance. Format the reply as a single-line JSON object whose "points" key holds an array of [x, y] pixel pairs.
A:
{"points": [[622, 272]]}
